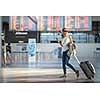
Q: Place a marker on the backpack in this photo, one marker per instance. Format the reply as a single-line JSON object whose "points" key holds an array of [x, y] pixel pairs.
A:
{"points": [[72, 47]]}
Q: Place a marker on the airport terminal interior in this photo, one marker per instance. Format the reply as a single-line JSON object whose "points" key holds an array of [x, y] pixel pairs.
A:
{"points": [[36, 56]]}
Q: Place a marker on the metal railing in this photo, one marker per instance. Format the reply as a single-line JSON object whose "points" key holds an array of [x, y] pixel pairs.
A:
{"points": [[20, 57], [41, 57]]}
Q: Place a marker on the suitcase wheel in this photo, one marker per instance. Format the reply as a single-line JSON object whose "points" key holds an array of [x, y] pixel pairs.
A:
{"points": [[92, 76], [89, 78]]}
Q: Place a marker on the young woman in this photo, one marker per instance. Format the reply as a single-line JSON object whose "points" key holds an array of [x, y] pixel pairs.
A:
{"points": [[65, 43]]}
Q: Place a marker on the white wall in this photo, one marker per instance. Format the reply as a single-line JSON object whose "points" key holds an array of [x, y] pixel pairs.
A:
{"points": [[87, 50]]}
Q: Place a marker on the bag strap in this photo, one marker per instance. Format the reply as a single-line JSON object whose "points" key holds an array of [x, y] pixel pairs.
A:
{"points": [[70, 39]]}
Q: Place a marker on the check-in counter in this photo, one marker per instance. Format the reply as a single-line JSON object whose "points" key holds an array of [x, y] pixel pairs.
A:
{"points": [[45, 53]]}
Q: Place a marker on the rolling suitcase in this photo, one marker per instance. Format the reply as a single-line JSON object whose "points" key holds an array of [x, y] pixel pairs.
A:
{"points": [[87, 68]]}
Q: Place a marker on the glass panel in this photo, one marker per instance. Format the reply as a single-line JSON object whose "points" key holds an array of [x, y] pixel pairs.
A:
{"points": [[77, 37]]}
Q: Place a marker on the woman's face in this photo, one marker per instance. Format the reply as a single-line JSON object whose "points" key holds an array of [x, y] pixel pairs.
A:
{"points": [[65, 32]]}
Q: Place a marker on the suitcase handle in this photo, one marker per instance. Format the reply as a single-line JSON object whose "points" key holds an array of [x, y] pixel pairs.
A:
{"points": [[77, 59]]}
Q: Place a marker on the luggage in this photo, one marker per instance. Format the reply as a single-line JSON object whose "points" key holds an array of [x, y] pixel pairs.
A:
{"points": [[87, 68]]}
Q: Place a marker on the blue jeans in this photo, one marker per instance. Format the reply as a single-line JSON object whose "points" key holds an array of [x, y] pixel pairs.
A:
{"points": [[65, 61]]}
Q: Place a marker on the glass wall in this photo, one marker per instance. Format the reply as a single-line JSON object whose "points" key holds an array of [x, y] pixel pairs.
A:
{"points": [[84, 37], [49, 37]]}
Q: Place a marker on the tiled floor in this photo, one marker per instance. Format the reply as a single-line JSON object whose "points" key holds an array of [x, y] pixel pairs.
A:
{"points": [[46, 73], [37, 75]]}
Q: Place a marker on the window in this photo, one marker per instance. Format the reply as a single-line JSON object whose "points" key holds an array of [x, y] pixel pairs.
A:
{"points": [[83, 37]]}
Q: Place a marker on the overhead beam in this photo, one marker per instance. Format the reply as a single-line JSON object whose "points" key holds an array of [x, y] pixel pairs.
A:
{"points": [[33, 20]]}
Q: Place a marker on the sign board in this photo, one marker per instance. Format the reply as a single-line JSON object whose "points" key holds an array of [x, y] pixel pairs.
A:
{"points": [[73, 23], [22, 23], [32, 51]]}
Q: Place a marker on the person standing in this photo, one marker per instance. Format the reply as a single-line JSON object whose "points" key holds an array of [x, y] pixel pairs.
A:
{"points": [[8, 50], [3, 57], [65, 43]]}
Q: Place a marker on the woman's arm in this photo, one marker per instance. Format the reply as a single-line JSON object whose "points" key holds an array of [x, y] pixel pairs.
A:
{"points": [[60, 43]]}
